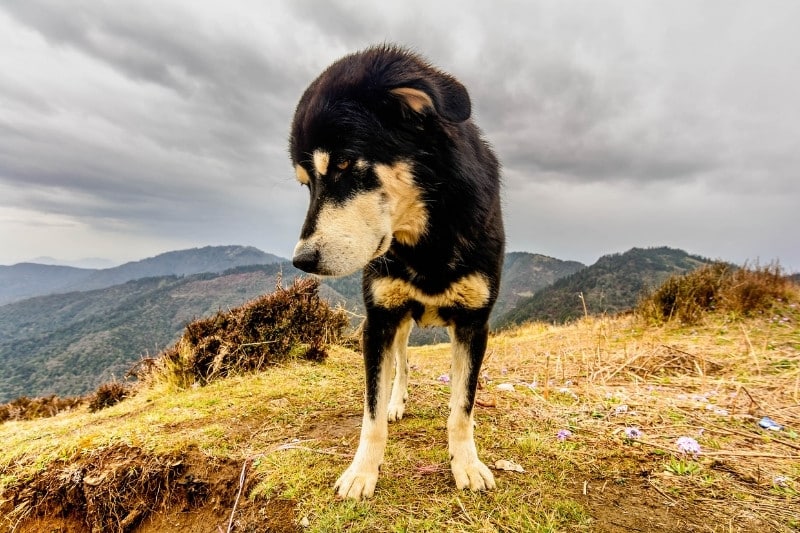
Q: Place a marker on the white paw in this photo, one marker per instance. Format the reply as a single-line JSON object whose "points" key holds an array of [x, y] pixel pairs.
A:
{"points": [[396, 410], [356, 483], [473, 475]]}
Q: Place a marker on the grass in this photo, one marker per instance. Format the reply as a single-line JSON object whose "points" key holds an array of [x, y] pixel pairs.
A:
{"points": [[293, 427]]}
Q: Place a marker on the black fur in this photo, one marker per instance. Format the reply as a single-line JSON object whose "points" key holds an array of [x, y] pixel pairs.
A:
{"points": [[351, 112]]}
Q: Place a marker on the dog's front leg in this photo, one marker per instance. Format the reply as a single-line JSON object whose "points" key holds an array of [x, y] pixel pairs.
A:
{"points": [[359, 480], [469, 346]]}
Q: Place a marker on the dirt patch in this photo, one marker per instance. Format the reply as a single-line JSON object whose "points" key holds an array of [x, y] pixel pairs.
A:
{"points": [[123, 489], [635, 505], [341, 426]]}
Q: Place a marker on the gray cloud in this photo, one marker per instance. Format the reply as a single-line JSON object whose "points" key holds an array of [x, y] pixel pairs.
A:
{"points": [[617, 124]]}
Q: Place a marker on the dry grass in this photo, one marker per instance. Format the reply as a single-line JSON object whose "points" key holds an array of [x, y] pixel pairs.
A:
{"points": [[295, 425], [24, 408], [717, 287], [290, 323]]}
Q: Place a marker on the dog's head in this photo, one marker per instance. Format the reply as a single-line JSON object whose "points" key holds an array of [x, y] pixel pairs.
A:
{"points": [[358, 134]]}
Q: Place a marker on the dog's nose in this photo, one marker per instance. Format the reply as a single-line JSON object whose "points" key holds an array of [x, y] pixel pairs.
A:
{"points": [[307, 260]]}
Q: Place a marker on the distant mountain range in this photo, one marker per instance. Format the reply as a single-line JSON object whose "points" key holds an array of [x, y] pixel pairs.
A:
{"points": [[67, 343], [26, 280]]}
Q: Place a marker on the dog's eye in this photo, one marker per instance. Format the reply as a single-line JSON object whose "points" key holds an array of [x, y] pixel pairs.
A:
{"points": [[343, 165]]}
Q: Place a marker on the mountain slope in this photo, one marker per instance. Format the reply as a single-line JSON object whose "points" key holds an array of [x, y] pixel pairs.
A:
{"points": [[612, 284], [26, 280], [68, 344], [525, 273]]}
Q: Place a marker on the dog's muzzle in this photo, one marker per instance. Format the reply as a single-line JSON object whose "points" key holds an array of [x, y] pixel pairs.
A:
{"points": [[307, 258]]}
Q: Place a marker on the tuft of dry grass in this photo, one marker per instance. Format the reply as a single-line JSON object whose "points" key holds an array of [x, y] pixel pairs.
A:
{"points": [[108, 394], [290, 323], [716, 287], [24, 408]]}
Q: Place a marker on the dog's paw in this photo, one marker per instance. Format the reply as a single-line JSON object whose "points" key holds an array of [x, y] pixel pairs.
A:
{"points": [[396, 411], [356, 483], [473, 475]]}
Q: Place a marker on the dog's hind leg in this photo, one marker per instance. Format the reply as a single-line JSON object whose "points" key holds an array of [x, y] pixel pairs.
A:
{"points": [[397, 402], [360, 478], [469, 345]]}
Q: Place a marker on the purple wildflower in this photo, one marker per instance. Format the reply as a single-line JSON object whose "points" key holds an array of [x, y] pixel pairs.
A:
{"points": [[563, 434], [688, 445], [633, 433], [444, 378], [780, 481]]}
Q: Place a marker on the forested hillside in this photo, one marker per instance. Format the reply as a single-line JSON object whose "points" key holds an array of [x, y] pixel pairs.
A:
{"points": [[68, 344]]}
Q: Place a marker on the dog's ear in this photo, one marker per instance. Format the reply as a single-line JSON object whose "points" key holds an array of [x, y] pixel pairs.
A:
{"points": [[439, 92]]}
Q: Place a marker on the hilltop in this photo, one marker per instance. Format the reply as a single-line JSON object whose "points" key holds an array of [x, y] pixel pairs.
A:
{"points": [[609, 423]]}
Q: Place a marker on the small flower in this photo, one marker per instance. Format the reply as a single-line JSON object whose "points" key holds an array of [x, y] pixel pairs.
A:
{"points": [[563, 434], [444, 378], [687, 445], [780, 481], [633, 433]]}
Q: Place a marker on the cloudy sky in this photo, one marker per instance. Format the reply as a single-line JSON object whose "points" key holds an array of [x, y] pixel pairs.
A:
{"points": [[130, 128]]}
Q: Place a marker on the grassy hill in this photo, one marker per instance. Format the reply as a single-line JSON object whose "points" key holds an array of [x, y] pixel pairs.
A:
{"points": [[591, 412], [613, 284]]}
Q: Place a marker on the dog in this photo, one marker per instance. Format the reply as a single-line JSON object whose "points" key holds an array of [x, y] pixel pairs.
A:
{"points": [[403, 186]]}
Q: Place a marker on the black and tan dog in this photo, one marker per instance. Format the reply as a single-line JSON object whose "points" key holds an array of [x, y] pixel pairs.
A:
{"points": [[403, 186]]}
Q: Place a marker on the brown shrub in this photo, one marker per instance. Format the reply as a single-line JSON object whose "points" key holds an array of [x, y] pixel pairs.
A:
{"points": [[24, 408], [716, 286], [292, 323], [108, 394]]}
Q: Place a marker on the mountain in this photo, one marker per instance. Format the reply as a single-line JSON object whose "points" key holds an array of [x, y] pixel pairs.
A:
{"points": [[613, 284], [26, 280], [525, 273], [68, 344], [86, 262]]}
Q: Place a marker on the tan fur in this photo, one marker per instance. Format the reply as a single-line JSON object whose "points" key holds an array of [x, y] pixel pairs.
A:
{"points": [[417, 100], [407, 210], [471, 291], [321, 161], [348, 235], [430, 317], [302, 175]]}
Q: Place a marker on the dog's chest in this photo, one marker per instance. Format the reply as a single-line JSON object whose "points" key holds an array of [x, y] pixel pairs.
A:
{"points": [[467, 292]]}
